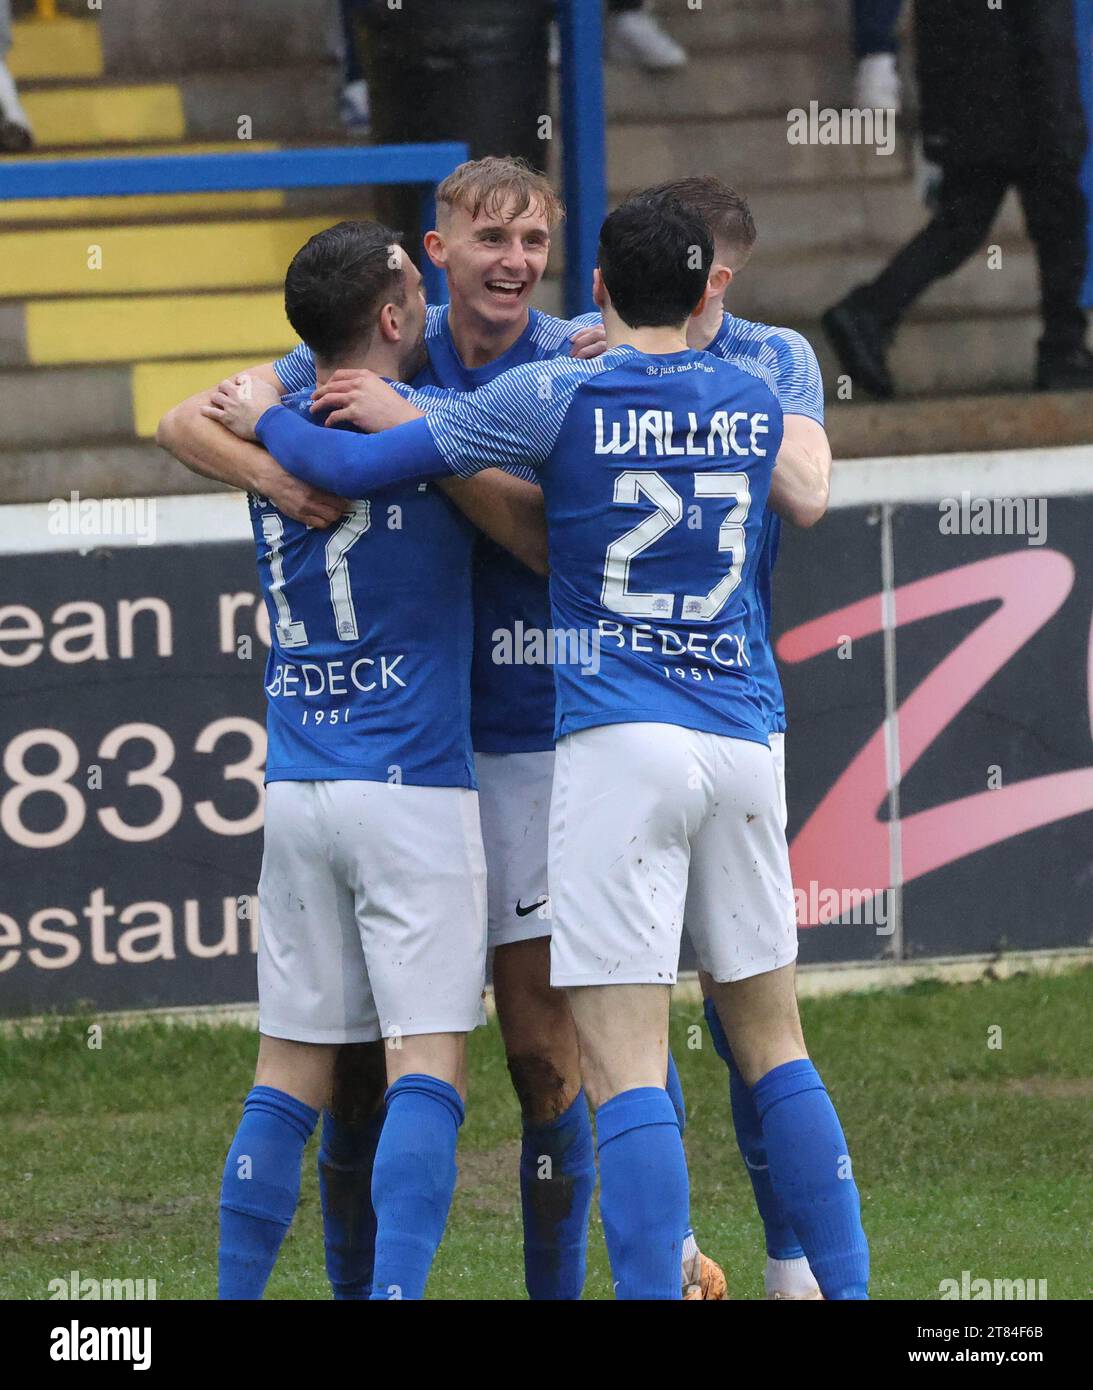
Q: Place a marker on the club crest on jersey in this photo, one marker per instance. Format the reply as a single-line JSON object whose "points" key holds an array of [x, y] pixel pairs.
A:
{"points": [[655, 432]]}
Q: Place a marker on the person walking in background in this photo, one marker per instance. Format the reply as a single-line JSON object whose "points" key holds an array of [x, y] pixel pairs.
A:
{"points": [[635, 37], [15, 134], [1010, 115], [877, 86], [356, 109]]}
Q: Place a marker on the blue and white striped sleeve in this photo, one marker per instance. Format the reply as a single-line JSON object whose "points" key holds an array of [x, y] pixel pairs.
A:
{"points": [[800, 386], [583, 321], [513, 423], [426, 398], [296, 370]]}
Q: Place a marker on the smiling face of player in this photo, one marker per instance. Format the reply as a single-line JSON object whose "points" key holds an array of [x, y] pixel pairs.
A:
{"points": [[495, 260]]}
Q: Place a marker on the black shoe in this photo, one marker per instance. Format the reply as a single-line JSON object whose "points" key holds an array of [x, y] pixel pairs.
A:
{"points": [[861, 342], [1064, 369], [14, 138]]}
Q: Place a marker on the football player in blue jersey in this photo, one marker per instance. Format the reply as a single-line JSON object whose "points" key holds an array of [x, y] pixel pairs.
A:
{"points": [[799, 493], [372, 894], [495, 219], [665, 802]]}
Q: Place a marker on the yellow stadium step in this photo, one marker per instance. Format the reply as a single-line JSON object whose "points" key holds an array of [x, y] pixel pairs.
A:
{"points": [[158, 148], [58, 48], [149, 326], [123, 260], [157, 386], [106, 115], [152, 205]]}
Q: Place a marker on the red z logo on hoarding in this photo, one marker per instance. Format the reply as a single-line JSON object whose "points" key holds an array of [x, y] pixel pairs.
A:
{"points": [[844, 842]]}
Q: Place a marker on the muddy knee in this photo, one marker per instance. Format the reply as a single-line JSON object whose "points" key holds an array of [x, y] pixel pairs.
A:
{"points": [[541, 1087], [360, 1080]]}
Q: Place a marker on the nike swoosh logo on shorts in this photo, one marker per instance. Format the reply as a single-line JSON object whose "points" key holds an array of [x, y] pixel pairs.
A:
{"points": [[522, 911]]}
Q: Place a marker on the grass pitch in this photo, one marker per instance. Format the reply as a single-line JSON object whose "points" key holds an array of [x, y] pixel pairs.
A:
{"points": [[966, 1108]]}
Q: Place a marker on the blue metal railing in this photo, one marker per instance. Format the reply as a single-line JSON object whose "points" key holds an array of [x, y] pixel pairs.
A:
{"points": [[580, 24], [218, 173]]}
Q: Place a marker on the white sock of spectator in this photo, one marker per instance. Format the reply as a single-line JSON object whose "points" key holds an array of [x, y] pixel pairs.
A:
{"points": [[356, 108], [877, 87], [635, 37], [11, 108]]}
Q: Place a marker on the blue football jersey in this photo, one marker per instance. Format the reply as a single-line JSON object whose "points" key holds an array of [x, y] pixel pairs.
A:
{"points": [[370, 639], [655, 471], [791, 366], [512, 707]]}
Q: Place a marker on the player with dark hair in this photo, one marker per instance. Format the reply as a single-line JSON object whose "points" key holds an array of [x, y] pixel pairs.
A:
{"points": [[799, 492]]}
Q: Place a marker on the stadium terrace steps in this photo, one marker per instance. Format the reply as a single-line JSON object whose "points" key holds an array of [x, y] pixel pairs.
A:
{"points": [[63, 48], [276, 103], [940, 357], [151, 327], [811, 281], [70, 405], [732, 83], [105, 469], [138, 259], [165, 36], [762, 24], [190, 285], [65, 405], [952, 424], [751, 153], [866, 216]]}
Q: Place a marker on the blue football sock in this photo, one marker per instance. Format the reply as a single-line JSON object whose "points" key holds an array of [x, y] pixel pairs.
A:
{"points": [[782, 1243], [260, 1188], [557, 1176], [412, 1182], [644, 1196], [810, 1170], [346, 1157], [674, 1087]]}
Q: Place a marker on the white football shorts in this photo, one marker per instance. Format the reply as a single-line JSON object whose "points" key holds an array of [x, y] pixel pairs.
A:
{"points": [[372, 908], [651, 823], [514, 802]]}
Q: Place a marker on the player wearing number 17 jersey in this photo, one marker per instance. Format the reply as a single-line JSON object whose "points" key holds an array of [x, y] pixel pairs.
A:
{"points": [[372, 894], [655, 462]]}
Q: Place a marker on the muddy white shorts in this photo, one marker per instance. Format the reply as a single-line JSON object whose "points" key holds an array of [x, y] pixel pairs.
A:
{"points": [[372, 907], [651, 823], [514, 801]]}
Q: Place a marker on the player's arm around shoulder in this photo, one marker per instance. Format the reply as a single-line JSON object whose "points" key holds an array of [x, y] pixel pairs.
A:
{"points": [[507, 509], [206, 448], [801, 483], [800, 487]]}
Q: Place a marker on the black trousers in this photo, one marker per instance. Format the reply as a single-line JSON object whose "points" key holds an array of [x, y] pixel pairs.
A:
{"points": [[875, 25], [970, 196]]}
